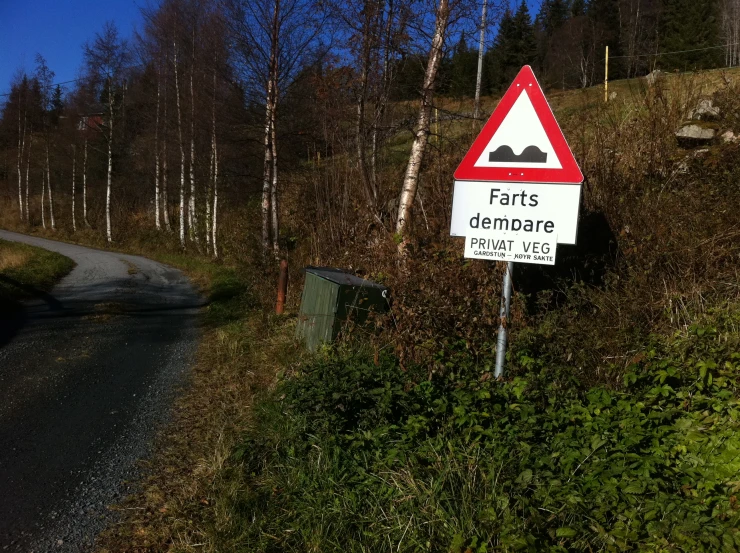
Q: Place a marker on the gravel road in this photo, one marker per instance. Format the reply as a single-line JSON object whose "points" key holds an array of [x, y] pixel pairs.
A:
{"points": [[87, 376]]}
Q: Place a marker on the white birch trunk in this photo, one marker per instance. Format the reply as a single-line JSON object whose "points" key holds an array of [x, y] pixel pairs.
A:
{"points": [[270, 101], [421, 133], [84, 186], [274, 193], [108, 230], [266, 185], [215, 202], [48, 184], [212, 168], [165, 200], [43, 197], [21, 145], [182, 156], [209, 192], [74, 168], [157, 218], [28, 172], [192, 215], [479, 77]]}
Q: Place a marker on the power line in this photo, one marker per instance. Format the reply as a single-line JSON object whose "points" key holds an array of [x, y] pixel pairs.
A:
{"points": [[78, 79], [676, 52]]}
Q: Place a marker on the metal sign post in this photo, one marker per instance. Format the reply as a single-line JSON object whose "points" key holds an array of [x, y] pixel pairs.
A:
{"points": [[503, 321], [517, 190]]}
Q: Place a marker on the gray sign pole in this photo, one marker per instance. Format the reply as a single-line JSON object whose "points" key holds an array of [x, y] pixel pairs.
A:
{"points": [[504, 321]]}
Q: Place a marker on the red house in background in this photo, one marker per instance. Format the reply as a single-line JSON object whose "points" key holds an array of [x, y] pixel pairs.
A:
{"points": [[92, 120]]}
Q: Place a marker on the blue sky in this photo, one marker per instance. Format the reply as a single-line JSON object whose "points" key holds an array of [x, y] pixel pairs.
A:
{"points": [[56, 29]]}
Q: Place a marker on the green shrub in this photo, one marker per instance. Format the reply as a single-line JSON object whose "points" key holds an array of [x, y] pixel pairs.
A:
{"points": [[354, 454]]}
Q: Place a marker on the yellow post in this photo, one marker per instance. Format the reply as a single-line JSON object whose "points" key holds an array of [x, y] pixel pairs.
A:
{"points": [[606, 76]]}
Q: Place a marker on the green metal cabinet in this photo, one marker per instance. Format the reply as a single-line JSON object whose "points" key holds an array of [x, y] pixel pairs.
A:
{"points": [[331, 298]]}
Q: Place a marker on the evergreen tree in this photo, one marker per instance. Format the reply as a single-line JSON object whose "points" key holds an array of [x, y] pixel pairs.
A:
{"points": [[460, 71], [604, 15], [552, 16], [57, 105], [578, 8], [503, 51], [514, 47], [526, 43], [690, 25]]}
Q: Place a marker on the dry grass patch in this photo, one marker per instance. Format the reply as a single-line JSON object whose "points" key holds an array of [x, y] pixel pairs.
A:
{"points": [[11, 258]]}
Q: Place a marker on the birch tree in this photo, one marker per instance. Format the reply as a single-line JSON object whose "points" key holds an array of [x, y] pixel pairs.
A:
{"points": [[372, 31], [421, 131], [45, 77], [156, 154], [215, 203], [371, 17], [155, 43], [74, 167], [105, 60], [43, 198], [165, 171], [397, 15], [192, 214], [28, 171], [22, 114], [212, 174], [274, 39], [479, 74], [730, 16], [215, 49], [84, 182], [212, 215], [48, 189], [182, 150]]}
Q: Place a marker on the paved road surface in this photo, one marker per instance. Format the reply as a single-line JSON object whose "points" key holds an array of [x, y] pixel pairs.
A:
{"points": [[87, 374]]}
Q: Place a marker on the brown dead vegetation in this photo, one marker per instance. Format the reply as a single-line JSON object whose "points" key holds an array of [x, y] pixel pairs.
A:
{"points": [[11, 258]]}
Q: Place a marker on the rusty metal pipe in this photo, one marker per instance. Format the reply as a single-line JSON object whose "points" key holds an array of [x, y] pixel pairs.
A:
{"points": [[282, 287]]}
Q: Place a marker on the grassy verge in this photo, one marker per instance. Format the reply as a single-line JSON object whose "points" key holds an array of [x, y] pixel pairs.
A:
{"points": [[177, 507], [350, 453], [27, 271]]}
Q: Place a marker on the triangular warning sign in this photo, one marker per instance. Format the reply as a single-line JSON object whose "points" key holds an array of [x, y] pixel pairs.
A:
{"points": [[521, 142]]}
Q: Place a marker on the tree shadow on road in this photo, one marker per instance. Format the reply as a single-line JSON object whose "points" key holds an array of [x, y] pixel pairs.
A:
{"points": [[12, 313]]}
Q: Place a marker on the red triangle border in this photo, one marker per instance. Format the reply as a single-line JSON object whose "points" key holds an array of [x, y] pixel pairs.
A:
{"points": [[569, 173]]}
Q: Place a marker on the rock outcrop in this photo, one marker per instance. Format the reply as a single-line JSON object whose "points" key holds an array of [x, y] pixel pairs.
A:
{"points": [[692, 135], [705, 110]]}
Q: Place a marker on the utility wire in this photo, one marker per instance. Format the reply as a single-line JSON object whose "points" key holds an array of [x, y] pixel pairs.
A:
{"points": [[78, 79], [676, 52]]}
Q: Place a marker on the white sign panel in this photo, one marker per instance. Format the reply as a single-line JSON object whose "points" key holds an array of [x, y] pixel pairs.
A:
{"points": [[520, 141], [528, 208], [522, 247]]}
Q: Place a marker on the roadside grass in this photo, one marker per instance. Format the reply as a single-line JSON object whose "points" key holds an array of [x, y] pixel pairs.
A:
{"points": [[352, 454], [178, 505], [27, 272]]}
